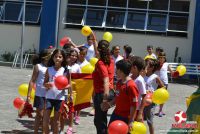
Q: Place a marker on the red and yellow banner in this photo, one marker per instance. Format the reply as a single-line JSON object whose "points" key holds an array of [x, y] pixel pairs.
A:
{"points": [[83, 85]]}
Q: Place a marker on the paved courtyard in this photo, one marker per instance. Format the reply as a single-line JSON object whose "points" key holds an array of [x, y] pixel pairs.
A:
{"points": [[10, 79]]}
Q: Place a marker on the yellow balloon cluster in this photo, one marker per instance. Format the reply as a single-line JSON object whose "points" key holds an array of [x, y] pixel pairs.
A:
{"points": [[138, 128], [86, 31], [160, 96], [107, 36], [88, 69], [93, 61], [181, 69]]}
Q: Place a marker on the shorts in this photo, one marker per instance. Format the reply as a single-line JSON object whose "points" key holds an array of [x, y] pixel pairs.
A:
{"points": [[51, 103], [149, 113], [115, 117], [39, 102]]}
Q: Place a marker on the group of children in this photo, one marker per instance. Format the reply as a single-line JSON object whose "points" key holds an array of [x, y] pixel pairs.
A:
{"points": [[134, 78]]}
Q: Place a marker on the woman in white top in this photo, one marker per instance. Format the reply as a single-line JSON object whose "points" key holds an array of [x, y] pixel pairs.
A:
{"points": [[54, 96], [39, 70], [162, 73]]}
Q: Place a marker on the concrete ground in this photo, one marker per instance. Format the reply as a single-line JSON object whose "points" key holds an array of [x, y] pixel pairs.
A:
{"points": [[11, 78]]}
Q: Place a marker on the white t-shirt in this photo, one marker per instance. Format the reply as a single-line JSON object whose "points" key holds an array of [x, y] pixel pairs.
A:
{"points": [[54, 93], [151, 83], [82, 64], [75, 68], [141, 85], [162, 73], [119, 57], [90, 52], [40, 89]]}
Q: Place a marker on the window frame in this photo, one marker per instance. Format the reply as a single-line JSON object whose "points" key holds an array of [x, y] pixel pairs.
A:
{"points": [[147, 11]]}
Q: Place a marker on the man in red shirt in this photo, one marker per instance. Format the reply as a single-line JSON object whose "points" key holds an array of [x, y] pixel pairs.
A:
{"points": [[126, 98]]}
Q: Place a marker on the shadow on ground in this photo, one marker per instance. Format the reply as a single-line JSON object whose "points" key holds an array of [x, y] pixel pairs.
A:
{"points": [[28, 124]]}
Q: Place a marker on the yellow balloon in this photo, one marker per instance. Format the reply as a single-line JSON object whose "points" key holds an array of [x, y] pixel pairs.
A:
{"points": [[188, 100], [138, 128], [160, 96], [88, 69], [181, 69], [107, 36], [93, 61], [23, 90], [52, 113], [148, 57], [32, 94], [86, 30]]}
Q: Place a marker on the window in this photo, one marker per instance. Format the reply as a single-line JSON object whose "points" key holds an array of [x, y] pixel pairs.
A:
{"points": [[159, 4], [164, 17], [136, 20], [75, 15], [77, 2], [94, 17], [32, 13], [12, 11], [157, 22], [137, 4], [178, 22], [180, 5], [117, 3], [97, 2], [1, 9], [115, 19]]}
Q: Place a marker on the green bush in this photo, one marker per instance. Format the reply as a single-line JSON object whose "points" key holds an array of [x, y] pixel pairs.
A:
{"points": [[7, 56]]}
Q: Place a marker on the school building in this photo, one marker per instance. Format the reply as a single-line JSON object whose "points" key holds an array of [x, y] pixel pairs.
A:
{"points": [[170, 24]]}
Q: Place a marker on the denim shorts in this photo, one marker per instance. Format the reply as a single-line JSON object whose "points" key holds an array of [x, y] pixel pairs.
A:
{"points": [[51, 103], [39, 102]]}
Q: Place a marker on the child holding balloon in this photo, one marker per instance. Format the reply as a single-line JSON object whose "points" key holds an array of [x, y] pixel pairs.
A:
{"points": [[152, 82], [138, 65], [40, 66], [54, 96], [162, 73]]}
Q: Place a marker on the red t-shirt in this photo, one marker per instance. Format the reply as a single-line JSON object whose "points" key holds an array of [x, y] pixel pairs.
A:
{"points": [[102, 71], [126, 96]]}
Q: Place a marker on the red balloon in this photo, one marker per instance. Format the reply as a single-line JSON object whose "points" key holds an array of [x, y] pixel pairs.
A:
{"points": [[18, 102], [175, 74], [64, 41], [148, 99], [118, 127], [61, 82]]}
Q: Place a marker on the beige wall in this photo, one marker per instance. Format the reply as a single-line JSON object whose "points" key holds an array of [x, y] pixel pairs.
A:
{"points": [[10, 37], [140, 41]]}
